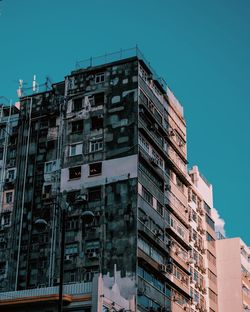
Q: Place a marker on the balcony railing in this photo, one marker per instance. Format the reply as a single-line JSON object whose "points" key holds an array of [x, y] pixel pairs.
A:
{"points": [[71, 289]]}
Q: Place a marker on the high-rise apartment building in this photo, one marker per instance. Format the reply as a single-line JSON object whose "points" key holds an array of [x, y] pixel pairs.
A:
{"points": [[203, 283], [8, 138], [106, 149], [233, 266]]}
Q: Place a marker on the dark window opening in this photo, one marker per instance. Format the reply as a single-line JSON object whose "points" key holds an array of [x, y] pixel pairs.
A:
{"points": [[75, 173], [77, 104], [98, 99], [48, 188], [71, 197], [51, 144], [97, 122], [52, 122], [94, 194], [77, 126], [95, 169]]}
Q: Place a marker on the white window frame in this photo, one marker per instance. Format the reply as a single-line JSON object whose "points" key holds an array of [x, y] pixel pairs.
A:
{"points": [[78, 149], [6, 196], [96, 145], [100, 78]]}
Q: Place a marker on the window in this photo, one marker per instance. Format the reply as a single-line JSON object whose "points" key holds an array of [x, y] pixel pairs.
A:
{"points": [[75, 149], [47, 188], [9, 197], [94, 194], [212, 276], [71, 196], [75, 172], [211, 257], [207, 208], [143, 143], [212, 295], [96, 99], [95, 169], [99, 78], [210, 239], [159, 208], [150, 250], [179, 184], [71, 249], [6, 219], [147, 196], [2, 132], [97, 122], [50, 166], [95, 145], [77, 126], [194, 216], [77, 104], [210, 222], [11, 174]]}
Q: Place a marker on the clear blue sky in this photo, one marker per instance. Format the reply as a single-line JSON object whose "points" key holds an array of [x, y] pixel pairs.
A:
{"points": [[201, 48]]}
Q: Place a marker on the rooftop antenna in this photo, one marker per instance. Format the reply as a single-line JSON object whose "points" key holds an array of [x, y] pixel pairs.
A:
{"points": [[34, 84], [20, 88]]}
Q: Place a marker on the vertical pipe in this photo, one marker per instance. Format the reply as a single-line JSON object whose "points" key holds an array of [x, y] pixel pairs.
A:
{"points": [[63, 219], [23, 195]]}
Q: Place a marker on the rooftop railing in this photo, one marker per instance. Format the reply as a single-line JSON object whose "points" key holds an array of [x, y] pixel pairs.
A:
{"points": [[117, 56]]}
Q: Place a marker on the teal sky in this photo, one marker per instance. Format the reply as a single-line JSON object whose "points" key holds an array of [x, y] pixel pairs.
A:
{"points": [[200, 47]]}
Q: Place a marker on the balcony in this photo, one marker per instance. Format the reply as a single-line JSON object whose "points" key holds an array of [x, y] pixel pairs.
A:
{"points": [[177, 230], [149, 185], [145, 231], [150, 133], [179, 260], [177, 207]]}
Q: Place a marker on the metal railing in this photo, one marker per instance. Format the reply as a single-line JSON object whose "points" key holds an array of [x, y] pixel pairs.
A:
{"points": [[70, 289], [117, 56]]}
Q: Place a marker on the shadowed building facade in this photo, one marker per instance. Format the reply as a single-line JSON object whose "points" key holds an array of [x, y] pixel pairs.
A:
{"points": [[111, 140]]}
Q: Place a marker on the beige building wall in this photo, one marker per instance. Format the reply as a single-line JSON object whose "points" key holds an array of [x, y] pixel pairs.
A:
{"points": [[233, 266], [201, 206]]}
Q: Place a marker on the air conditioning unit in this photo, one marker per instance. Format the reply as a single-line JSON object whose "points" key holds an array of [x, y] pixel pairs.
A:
{"points": [[92, 255], [171, 132], [163, 268], [141, 110], [67, 258], [157, 232], [145, 219], [153, 161], [150, 77]]}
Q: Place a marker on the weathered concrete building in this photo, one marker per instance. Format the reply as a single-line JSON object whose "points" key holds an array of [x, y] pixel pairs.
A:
{"points": [[108, 146], [9, 116]]}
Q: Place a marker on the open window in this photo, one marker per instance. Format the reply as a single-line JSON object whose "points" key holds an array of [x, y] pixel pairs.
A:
{"points": [[77, 104], [97, 122], [75, 173], [94, 194], [77, 126], [96, 99], [95, 169]]}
